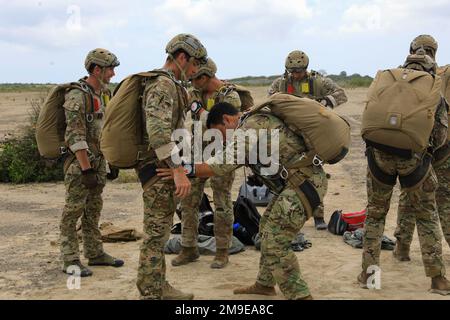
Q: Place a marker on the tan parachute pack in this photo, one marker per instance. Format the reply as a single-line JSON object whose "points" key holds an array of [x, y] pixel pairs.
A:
{"points": [[326, 134], [124, 139], [401, 108], [51, 123], [444, 73], [245, 95]]}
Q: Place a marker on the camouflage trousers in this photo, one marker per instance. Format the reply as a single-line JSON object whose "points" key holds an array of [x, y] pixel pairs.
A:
{"points": [[281, 223], [406, 222], [159, 208], [223, 215], [422, 205], [85, 204]]}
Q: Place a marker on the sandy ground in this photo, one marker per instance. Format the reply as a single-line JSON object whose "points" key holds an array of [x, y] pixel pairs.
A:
{"points": [[30, 267]]}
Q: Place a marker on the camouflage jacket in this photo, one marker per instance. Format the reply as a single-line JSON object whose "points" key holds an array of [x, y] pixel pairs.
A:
{"points": [[314, 86], [84, 118], [223, 94], [165, 104], [281, 151], [439, 134]]}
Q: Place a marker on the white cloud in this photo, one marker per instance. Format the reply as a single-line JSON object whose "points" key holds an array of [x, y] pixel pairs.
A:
{"points": [[401, 15], [256, 18]]}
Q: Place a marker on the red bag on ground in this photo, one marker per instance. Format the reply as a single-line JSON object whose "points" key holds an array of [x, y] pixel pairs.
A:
{"points": [[355, 220]]}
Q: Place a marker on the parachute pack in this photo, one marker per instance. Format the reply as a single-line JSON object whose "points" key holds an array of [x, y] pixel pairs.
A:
{"points": [[124, 136], [326, 134], [400, 111], [444, 73], [244, 95], [51, 123]]}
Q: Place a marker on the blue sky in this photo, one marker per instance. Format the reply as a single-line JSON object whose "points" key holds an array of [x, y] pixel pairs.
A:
{"points": [[47, 40]]}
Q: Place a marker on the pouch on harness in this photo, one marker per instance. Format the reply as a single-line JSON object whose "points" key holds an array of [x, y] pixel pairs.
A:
{"points": [[51, 123], [326, 134], [124, 139], [400, 112]]}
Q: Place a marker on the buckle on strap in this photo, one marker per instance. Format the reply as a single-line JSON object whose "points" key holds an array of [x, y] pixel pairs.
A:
{"points": [[63, 150], [284, 174], [317, 161], [90, 117]]}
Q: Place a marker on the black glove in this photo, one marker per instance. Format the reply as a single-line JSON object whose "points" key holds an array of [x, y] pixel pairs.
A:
{"points": [[325, 101], [113, 173], [89, 178]]}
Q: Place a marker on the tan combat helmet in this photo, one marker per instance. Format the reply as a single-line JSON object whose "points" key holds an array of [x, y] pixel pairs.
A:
{"points": [[209, 69], [426, 42], [420, 61], [296, 61], [190, 44], [102, 58]]}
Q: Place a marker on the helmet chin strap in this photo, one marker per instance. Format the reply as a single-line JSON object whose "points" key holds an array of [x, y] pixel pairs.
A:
{"points": [[103, 84], [183, 77]]}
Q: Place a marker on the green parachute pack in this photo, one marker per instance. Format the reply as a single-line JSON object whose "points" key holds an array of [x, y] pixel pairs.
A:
{"points": [[401, 107], [326, 134], [51, 123], [124, 139]]}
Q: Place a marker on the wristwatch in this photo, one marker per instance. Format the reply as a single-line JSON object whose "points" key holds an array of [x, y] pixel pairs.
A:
{"points": [[196, 106], [189, 169]]}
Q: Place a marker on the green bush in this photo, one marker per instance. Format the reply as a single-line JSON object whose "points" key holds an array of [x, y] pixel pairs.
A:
{"points": [[20, 161]]}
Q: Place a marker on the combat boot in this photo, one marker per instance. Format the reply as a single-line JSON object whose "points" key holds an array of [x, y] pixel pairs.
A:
{"points": [[186, 256], [320, 224], [440, 285], [362, 279], [401, 252], [170, 293], [256, 288], [221, 259], [106, 260], [73, 265]]}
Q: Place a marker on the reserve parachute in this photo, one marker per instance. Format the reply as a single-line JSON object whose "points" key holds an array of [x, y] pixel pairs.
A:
{"points": [[51, 123], [326, 134], [400, 111]]}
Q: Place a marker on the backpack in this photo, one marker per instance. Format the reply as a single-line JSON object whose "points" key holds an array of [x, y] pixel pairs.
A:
{"points": [[444, 73], [244, 95], [51, 123], [354, 220], [246, 220], [124, 136], [337, 225], [400, 111], [326, 134]]}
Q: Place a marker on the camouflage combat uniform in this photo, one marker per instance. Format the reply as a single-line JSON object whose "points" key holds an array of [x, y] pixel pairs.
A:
{"points": [[164, 102], [221, 185], [82, 132], [406, 220], [420, 199], [316, 87], [286, 214]]}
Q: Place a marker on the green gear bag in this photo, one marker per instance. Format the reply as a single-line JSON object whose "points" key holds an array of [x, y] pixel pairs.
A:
{"points": [[51, 123], [401, 108], [326, 134], [124, 140], [444, 73]]}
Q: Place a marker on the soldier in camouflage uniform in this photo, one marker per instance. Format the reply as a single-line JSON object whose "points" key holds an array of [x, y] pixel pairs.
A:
{"points": [[208, 90], [421, 198], [290, 208], [85, 169], [165, 102], [406, 220], [297, 80]]}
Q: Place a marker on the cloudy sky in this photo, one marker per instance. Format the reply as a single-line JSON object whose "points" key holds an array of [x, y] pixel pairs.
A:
{"points": [[47, 40]]}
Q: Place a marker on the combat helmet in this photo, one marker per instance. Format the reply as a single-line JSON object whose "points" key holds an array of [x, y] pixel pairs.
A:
{"points": [[102, 58], [420, 61], [209, 69], [425, 42], [188, 43], [297, 60]]}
